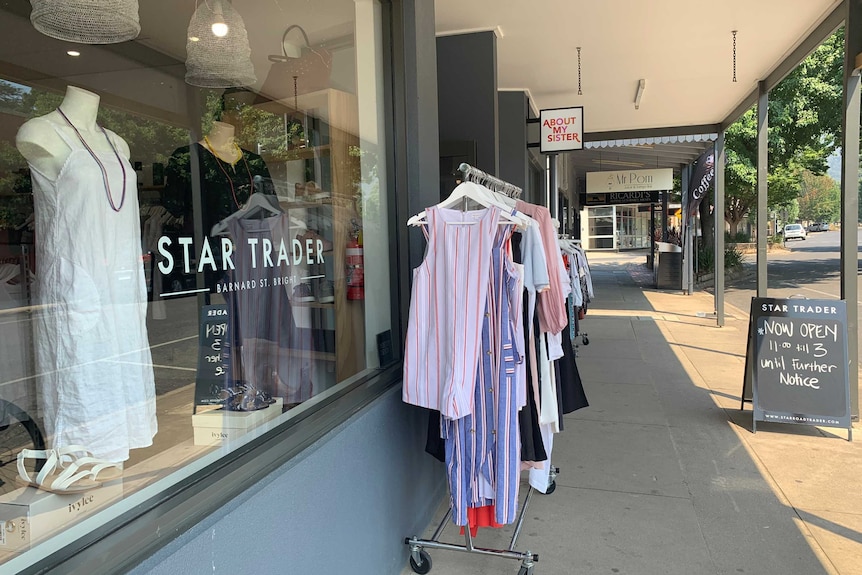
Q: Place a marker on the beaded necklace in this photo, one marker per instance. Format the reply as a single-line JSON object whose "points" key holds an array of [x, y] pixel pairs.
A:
{"points": [[105, 179], [220, 160]]}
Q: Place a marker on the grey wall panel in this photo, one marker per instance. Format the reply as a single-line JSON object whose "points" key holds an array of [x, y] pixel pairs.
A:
{"points": [[420, 91], [344, 506], [467, 93], [514, 161]]}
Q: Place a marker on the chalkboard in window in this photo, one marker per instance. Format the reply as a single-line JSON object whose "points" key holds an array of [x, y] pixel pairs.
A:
{"points": [[796, 362], [212, 361]]}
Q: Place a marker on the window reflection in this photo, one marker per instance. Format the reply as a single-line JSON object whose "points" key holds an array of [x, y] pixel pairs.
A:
{"points": [[212, 260]]}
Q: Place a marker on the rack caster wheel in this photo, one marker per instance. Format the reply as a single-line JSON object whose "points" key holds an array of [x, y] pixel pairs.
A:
{"points": [[551, 488], [424, 565], [586, 340]]}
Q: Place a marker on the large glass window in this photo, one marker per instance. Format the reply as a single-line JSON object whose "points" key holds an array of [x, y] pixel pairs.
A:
{"points": [[600, 223], [194, 236], [633, 223]]}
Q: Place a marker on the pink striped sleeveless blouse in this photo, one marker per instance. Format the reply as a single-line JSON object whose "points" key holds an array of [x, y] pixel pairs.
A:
{"points": [[447, 306]]}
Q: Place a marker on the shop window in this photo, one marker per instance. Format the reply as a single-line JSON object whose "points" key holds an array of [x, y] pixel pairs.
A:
{"points": [[194, 237]]}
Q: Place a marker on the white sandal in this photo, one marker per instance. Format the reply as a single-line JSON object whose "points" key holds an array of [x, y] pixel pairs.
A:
{"points": [[70, 478], [67, 455]]}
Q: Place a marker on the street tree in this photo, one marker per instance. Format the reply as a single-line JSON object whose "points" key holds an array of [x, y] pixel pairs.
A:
{"points": [[804, 129], [819, 198]]}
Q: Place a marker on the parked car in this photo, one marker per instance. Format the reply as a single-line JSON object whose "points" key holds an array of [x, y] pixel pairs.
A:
{"points": [[794, 231], [815, 227]]}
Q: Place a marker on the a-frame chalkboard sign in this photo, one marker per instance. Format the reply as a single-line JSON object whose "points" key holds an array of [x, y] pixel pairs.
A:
{"points": [[796, 363]]}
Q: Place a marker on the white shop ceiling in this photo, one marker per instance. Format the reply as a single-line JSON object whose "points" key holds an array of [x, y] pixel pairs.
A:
{"points": [[682, 48]]}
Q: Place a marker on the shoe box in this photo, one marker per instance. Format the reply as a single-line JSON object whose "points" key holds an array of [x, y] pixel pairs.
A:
{"points": [[29, 515], [220, 426]]}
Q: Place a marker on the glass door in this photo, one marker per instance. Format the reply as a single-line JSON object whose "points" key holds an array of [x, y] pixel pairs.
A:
{"points": [[601, 223]]}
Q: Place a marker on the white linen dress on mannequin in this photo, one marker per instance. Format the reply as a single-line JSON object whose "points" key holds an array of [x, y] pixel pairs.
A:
{"points": [[92, 351]]}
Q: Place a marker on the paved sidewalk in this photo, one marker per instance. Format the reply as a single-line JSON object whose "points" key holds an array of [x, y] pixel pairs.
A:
{"points": [[661, 474]]}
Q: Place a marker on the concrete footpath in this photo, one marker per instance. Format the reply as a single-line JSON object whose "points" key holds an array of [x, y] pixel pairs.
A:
{"points": [[662, 474]]}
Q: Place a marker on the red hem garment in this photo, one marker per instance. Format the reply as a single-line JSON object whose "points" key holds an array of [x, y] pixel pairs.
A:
{"points": [[480, 517]]}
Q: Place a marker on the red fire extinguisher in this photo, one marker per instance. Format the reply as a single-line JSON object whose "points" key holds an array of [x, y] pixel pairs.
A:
{"points": [[354, 260]]}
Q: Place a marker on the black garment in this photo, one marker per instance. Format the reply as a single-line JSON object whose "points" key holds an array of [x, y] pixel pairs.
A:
{"points": [[434, 444], [532, 445], [571, 389], [217, 199], [215, 177]]}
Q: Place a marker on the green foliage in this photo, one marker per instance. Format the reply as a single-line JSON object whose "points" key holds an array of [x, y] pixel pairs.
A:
{"points": [[737, 238], [820, 198], [705, 259], [733, 259], [804, 129]]}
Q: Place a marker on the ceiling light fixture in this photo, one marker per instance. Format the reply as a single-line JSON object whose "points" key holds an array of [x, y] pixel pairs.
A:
{"points": [[219, 26], [87, 21], [291, 49], [309, 66], [73, 53], [639, 94], [218, 53]]}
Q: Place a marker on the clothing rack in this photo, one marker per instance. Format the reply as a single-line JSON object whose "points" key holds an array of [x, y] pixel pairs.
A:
{"points": [[420, 561], [472, 174]]}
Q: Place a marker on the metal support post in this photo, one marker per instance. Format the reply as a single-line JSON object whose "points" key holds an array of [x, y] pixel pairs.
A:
{"points": [[664, 195], [685, 222], [762, 172], [849, 193], [652, 235], [553, 186], [718, 212]]}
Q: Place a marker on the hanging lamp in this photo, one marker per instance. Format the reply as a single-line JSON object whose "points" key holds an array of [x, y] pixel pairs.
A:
{"points": [[218, 53], [309, 67], [87, 21]]}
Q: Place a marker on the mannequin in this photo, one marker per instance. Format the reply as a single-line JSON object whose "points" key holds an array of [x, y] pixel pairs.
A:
{"points": [[225, 176], [46, 151], [221, 143], [89, 282]]}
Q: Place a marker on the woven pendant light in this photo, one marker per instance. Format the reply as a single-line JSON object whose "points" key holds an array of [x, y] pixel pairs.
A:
{"points": [[218, 54], [87, 21]]}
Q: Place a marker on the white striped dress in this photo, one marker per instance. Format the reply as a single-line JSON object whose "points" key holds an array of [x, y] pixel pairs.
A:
{"points": [[447, 307]]}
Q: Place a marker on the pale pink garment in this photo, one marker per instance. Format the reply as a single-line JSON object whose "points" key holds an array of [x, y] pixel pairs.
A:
{"points": [[447, 307], [552, 303]]}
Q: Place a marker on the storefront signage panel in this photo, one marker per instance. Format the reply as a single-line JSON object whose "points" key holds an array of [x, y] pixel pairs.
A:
{"points": [[796, 362], [615, 198], [562, 129], [630, 181]]}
